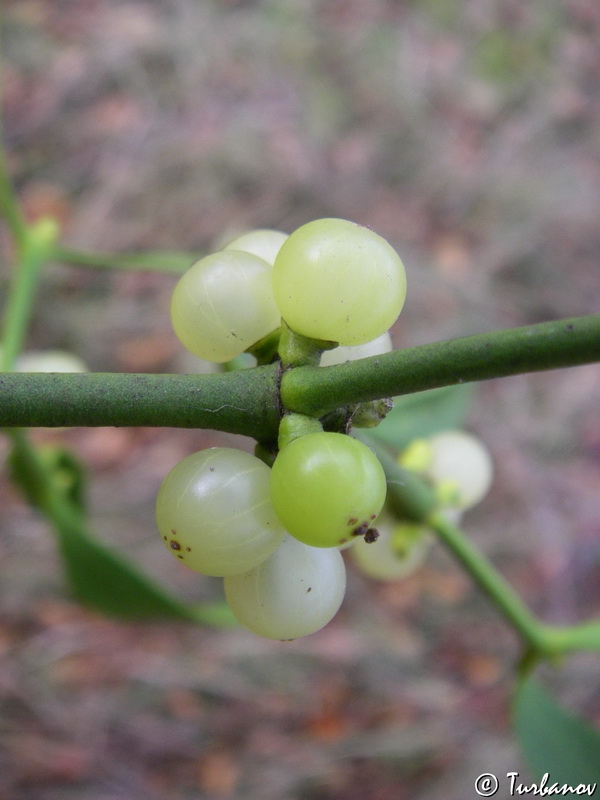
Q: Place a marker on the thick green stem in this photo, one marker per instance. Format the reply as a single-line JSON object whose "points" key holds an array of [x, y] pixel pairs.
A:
{"points": [[243, 402], [409, 496], [247, 401], [549, 345]]}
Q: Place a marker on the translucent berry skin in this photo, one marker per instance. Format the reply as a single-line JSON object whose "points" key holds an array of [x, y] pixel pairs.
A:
{"points": [[339, 355], [49, 361], [262, 242], [224, 304], [327, 488], [400, 549], [338, 281], [460, 467], [214, 512], [295, 592]]}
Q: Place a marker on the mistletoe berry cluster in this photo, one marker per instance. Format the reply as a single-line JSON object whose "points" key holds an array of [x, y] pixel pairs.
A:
{"points": [[274, 532]]}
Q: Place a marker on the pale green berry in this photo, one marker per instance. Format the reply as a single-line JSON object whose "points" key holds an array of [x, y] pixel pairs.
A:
{"points": [[295, 592], [49, 361], [339, 355], [214, 512], [327, 488], [401, 548], [338, 281], [262, 242], [460, 468], [224, 304]]}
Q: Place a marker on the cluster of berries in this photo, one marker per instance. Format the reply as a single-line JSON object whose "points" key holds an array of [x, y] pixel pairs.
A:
{"points": [[275, 533]]}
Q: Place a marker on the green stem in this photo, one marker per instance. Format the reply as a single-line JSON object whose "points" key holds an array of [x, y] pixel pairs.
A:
{"points": [[37, 243], [170, 262], [411, 497], [585, 636], [491, 582], [544, 641], [296, 350], [247, 401], [549, 345], [236, 402]]}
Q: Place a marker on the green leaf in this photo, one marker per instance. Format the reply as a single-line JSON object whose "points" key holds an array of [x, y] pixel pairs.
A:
{"points": [[53, 481], [555, 741], [61, 470], [423, 414], [32, 483], [69, 474], [103, 579]]}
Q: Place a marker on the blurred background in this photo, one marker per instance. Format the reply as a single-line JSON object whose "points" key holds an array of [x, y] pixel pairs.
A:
{"points": [[467, 134]]}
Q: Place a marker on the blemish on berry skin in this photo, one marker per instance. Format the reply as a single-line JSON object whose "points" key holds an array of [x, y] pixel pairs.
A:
{"points": [[188, 549], [371, 535], [309, 589], [373, 516], [181, 557], [166, 538], [352, 521], [361, 530], [175, 545]]}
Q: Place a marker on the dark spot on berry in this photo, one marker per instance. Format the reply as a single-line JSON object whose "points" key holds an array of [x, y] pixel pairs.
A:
{"points": [[165, 538], [361, 530], [211, 469], [371, 535], [373, 516], [175, 546], [188, 549], [173, 532], [181, 557], [352, 521], [309, 589]]}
